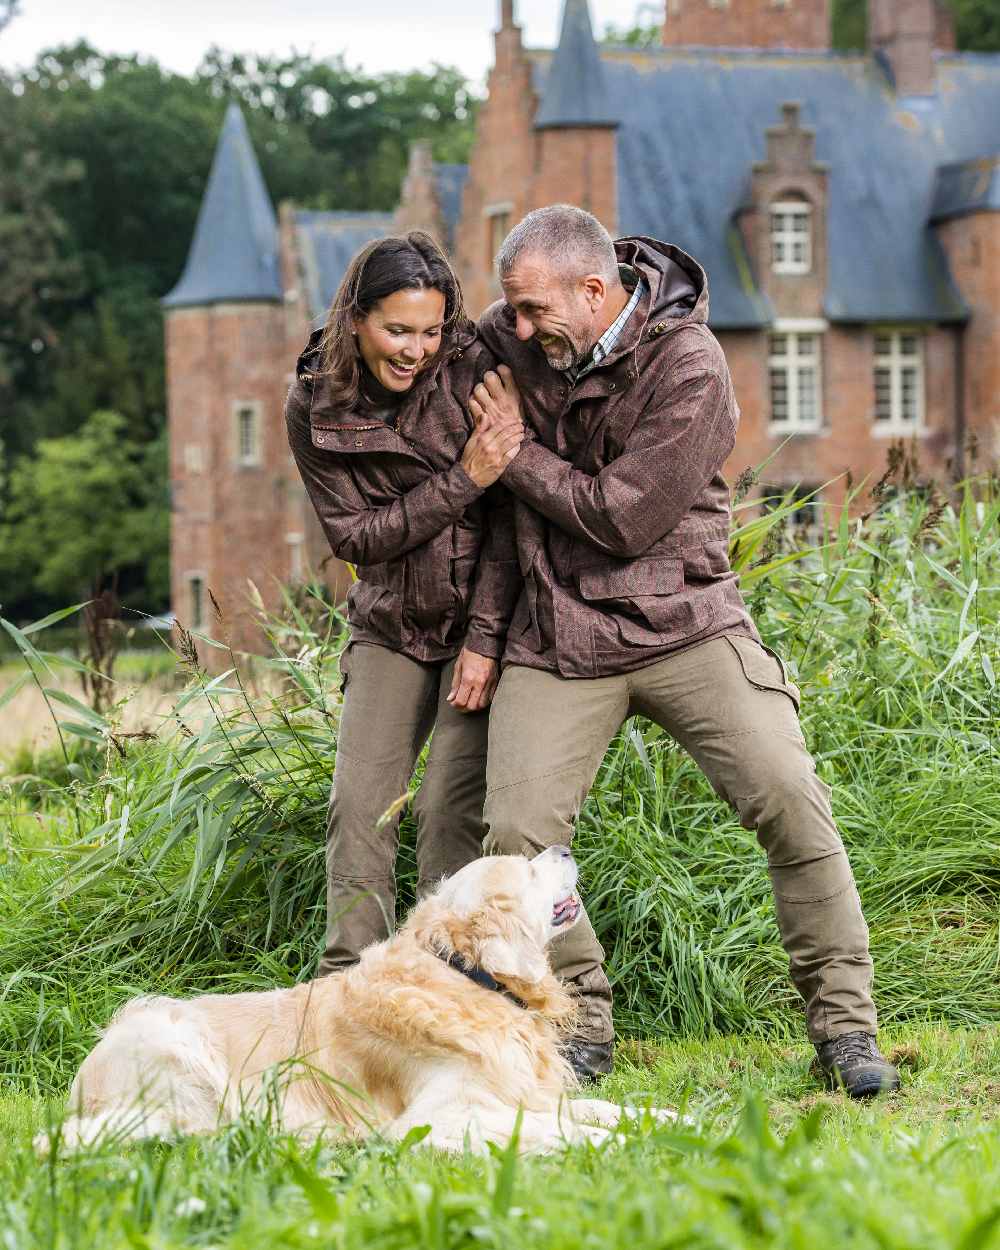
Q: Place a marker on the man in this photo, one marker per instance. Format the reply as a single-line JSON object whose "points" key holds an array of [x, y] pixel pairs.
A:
{"points": [[630, 606]]}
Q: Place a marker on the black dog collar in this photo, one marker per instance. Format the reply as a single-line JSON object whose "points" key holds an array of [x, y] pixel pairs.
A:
{"points": [[481, 977]]}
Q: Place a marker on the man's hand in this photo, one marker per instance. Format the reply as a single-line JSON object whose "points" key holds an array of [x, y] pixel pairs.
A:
{"points": [[496, 401], [474, 681]]}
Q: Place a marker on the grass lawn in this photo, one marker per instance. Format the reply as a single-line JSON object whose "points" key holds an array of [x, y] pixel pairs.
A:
{"points": [[770, 1160]]}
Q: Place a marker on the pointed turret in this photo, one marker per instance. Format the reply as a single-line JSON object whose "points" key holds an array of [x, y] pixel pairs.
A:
{"points": [[234, 254], [575, 93]]}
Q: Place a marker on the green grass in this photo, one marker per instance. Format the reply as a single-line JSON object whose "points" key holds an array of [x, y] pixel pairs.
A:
{"points": [[196, 864], [768, 1161]]}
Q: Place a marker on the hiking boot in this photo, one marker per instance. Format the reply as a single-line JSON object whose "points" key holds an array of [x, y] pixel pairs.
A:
{"points": [[589, 1060], [854, 1063]]}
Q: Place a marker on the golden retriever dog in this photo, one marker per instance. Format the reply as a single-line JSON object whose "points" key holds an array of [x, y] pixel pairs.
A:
{"points": [[455, 1022]]}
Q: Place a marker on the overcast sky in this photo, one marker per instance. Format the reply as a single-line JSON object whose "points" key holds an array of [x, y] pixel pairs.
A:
{"points": [[375, 34]]}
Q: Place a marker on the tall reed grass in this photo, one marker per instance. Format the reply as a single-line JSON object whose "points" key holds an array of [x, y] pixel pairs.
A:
{"points": [[196, 862]]}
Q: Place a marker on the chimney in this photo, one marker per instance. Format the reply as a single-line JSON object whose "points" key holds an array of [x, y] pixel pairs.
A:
{"points": [[903, 36], [506, 14], [801, 24]]}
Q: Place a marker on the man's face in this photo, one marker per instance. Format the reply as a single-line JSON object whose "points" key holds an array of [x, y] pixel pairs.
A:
{"points": [[557, 310]]}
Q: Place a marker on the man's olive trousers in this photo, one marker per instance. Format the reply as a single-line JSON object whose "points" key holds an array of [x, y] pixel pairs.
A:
{"points": [[391, 704], [729, 703]]}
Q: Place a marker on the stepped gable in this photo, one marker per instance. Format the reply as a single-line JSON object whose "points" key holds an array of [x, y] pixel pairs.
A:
{"points": [[574, 92], [234, 253]]}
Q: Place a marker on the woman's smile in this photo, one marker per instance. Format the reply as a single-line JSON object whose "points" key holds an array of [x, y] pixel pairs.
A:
{"points": [[401, 335]]}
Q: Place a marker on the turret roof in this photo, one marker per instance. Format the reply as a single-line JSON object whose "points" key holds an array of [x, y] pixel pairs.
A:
{"points": [[234, 253], [575, 93]]}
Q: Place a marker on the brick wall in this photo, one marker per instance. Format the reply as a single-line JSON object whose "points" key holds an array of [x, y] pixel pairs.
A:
{"points": [[578, 166], [501, 166], [747, 23], [973, 247], [848, 439], [229, 521]]}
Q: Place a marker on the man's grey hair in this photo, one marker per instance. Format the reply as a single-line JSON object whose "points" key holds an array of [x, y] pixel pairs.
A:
{"points": [[562, 235]]}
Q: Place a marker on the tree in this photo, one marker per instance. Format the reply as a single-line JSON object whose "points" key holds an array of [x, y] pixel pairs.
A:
{"points": [[332, 136], [36, 275], [977, 24], [8, 11], [88, 511], [644, 31]]}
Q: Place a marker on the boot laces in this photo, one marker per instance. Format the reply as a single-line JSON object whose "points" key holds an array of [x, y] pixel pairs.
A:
{"points": [[854, 1046]]}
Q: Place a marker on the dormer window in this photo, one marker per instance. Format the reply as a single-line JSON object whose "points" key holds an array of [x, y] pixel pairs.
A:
{"points": [[791, 236]]}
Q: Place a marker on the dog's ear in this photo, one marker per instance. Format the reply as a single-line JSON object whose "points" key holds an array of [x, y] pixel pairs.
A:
{"points": [[516, 958]]}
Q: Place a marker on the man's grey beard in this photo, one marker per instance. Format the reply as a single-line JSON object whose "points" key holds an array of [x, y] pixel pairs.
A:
{"points": [[563, 355]]}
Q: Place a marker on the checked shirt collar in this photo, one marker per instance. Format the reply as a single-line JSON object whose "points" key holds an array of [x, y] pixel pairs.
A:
{"points": [[605, 344]]}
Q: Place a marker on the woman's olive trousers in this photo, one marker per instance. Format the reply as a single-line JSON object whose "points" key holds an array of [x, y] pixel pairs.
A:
{"points": [[391, 704]]}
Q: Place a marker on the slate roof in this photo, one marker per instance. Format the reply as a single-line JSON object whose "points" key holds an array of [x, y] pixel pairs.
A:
{"points": [[234, 253], [575, 92], [327, 243], [693, 121], [967, 187]]}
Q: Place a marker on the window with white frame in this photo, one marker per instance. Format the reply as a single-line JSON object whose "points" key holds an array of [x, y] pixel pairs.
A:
{"points": [[795, 368], [899, 381], [247, 434], [791, 236]]}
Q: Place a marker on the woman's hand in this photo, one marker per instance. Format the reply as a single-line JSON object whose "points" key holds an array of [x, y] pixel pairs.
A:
{"points": [[474, 681]]}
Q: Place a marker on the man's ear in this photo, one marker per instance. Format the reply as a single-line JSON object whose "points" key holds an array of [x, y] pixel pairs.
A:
{"points": [[519, 960], [595, 290]]}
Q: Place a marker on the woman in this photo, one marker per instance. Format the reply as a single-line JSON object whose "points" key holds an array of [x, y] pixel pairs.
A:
{"points": [[378, 424]]}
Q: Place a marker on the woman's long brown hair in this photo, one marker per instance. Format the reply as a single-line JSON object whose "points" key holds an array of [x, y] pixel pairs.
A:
{"points": [[409, 262]]}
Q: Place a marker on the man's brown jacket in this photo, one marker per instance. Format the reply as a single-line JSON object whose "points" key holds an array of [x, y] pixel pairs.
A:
{"points": [[398, 505], [622, 513]]}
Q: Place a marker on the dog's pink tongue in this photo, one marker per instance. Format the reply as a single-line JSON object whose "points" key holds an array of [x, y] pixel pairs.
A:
{"points": [[565, 907]]}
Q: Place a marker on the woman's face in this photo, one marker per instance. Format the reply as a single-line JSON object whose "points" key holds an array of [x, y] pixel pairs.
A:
{"points": [[401, 335]]}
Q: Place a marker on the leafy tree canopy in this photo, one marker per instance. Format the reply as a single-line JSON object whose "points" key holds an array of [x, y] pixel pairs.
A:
{"points": [[103, 164], [85, 510]]}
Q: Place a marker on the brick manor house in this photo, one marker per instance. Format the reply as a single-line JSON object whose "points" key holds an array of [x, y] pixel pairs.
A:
{"points": [[845, 206]]}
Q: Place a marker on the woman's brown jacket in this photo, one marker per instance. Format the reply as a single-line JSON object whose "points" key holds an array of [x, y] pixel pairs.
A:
{"points": [[430, 547]]}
